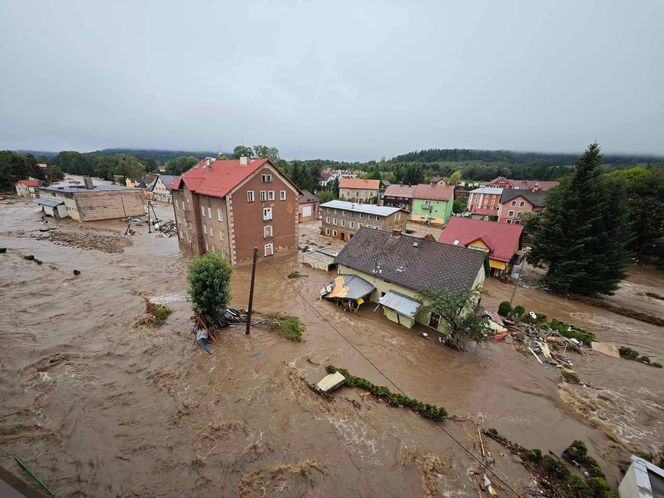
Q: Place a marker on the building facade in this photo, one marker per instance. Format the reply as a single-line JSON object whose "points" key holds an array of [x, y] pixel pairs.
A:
{"points": [[232, 206], [516, 204], [359, 190], [342, 220], [534, 185], [158, 188], [432, 203], [28, 188], [307, 206], [400, 196], [484, 201], [98, 202]]}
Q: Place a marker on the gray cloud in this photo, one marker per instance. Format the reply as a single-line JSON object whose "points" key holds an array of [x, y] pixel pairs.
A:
{"points": [[346, 80]]}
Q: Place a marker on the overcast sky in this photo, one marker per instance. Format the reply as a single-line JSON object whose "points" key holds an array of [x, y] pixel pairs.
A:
{"points": [[332, 79]]}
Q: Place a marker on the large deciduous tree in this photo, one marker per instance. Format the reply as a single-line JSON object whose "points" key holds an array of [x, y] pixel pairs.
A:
{"points": [[15, 167], [180, 164], [461, 311], [242, 151], [583, 232], [209, 284]]}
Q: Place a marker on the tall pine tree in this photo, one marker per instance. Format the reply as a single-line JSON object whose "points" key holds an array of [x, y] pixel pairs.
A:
{"points": [[583, 232]]}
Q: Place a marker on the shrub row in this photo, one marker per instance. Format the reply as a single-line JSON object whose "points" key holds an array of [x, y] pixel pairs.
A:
{"points": [[555, 470], [634, 355], [431, 412]]}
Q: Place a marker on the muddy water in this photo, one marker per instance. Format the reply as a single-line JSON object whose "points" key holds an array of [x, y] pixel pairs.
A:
{"points": [[99, 408]]}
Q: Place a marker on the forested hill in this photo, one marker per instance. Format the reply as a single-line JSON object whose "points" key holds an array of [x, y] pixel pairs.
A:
{"points": [[161, 156], [514, 158]]}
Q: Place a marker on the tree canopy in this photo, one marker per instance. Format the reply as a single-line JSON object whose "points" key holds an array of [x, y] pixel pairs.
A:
{"points": [[15, 167], [180, 164], [209, 283], [582, 236]]}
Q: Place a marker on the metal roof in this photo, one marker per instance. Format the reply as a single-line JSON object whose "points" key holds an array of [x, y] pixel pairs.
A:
{"points": [[349, 287], [400, 303], [44, 201], [487, 190], [361, 208]]}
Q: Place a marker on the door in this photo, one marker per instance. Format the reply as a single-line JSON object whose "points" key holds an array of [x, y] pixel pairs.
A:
{"points": [[269, 249], [343, 236], [434, 321]]}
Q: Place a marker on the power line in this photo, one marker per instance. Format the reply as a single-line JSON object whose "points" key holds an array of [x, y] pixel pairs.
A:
{"points": [[445, 431]]}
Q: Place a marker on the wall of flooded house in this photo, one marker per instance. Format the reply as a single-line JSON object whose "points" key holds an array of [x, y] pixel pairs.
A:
{"points": [[109, 204]]}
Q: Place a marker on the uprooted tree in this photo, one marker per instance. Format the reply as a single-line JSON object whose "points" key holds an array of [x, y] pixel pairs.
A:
{"points": [[209, 284], [461, 311]]}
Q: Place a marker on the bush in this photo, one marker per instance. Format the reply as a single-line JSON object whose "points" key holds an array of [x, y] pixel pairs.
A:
{"points": [[209, 283], [505, 308], [656, 364], [158, 311], [518, 311], [645, 359], [628, 353], [570, 377], [287, 326]]}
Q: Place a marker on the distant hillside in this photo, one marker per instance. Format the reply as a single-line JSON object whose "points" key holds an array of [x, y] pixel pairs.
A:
{"points": [[159, 155], [516, 158]]}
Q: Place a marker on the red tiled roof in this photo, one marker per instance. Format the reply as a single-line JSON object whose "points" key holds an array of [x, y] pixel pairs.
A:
{"points": [[219, 178], [359, 184], [434, 192], [31, 183], [397, 190], [501, 238], [526, 184]]}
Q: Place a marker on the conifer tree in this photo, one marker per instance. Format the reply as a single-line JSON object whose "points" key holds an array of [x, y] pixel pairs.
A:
{"points": [[583, 232]]}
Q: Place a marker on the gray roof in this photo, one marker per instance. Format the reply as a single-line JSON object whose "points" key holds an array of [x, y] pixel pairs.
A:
{"points": [[356, 287], [361, 208], [537, 199], [44, 201], [412, 262], [68, 189], [400, 303], [487, 190], [167, 179]]}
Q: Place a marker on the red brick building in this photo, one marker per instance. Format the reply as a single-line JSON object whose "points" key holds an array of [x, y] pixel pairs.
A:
{"points": [[484, 201], [232, 206]]}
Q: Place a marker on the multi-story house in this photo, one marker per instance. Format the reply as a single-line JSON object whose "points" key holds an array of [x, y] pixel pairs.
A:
{"points": [[534, 185], [515, 203], [158, 189], [401, 196], [343, 219], [432, 203], [359, 190], [232, 206], [484, 201]]}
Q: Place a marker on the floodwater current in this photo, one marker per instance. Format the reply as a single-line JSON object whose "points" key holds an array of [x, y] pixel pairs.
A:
{"points": [[98, 407]]}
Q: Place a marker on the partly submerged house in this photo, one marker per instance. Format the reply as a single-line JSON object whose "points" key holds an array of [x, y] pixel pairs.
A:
{"points": [[499, 240], [28, 187], [399, 266]]}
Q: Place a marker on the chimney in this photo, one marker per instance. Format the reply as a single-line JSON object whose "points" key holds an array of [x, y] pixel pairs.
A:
{"points": [[244, 161], [208, 163]]}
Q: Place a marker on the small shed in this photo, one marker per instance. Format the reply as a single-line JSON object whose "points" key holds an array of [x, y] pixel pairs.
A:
{"points": [[400, 308], [52, 207], [349, 291], [321, 258]]}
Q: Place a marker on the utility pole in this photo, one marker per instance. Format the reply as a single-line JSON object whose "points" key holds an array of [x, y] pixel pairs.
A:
{"points": [[251, 290]]}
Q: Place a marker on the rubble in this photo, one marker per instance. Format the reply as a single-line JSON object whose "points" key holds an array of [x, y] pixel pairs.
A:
{"points": [[548, 346]]}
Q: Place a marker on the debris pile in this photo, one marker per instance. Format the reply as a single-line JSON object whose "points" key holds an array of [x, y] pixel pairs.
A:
{"points": [[168, 228]]}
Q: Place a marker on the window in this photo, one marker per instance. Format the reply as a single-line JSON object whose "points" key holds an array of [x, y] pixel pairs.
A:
{"points": [[352, 224], [267, 214], [360, 215], [343, 213], [327, 231], [269, 249], [266, 178], [267, 231], [220, 214], [510, 213], [270, 195], [509, 222], [221, 236], [203, 211], [522, 203], [282, 195], [327, 219], [209, 212], [204, 229], [206, 246], [513, 203], [263, 196], [211, 232], [334, 221], [334, 233], [343, 223], [250, 196]]}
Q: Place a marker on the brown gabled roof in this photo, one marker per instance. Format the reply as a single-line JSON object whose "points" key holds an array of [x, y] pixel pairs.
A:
{"points": [[359, 184], [397, 190], [306, 197], [434, 192], [412, 262]]}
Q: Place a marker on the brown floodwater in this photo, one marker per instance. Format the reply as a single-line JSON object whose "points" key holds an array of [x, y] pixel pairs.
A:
{"points": [[97, 407]]}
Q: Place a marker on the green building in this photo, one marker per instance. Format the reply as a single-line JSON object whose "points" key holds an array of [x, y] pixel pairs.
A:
{"points": [[432, 203]]}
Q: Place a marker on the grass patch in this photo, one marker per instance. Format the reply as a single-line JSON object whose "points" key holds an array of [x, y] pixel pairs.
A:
{"points": [[158, 311], [570, 377], [287, 326], [432, 412], [296, 274], [572, 332]]}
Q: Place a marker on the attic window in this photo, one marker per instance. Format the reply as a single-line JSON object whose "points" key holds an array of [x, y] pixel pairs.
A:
{"points": [[456, 242], [400, 269], [416, 244]]}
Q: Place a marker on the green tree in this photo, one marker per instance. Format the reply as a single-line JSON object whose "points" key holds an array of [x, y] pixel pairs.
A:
{"points": [[582, 237], [15, 167], [242, 151], [180, 164], [455, 178], [459, 205], [128, 166], [271, 153], [75, 163], [54, 173], [209, 283], [461, 311]]}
